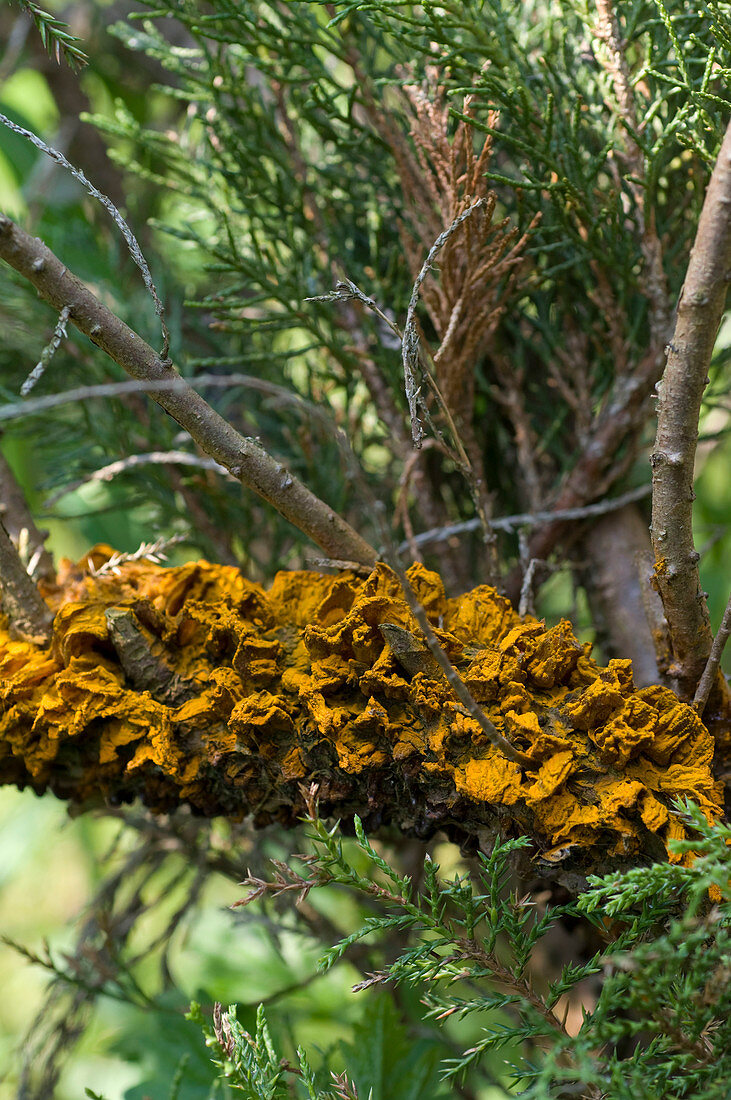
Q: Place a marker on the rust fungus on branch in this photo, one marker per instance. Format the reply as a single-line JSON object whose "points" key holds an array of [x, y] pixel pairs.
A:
{"points": [[193, 686]]}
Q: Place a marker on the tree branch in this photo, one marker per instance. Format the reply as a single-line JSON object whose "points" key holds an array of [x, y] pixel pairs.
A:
{"points": [[710, 672], [19, 523], [529, 519], [29, 616], [700, 310], [244, 458]]}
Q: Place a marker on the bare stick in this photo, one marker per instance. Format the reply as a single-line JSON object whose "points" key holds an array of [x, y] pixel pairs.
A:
{"points": [[244, 458], [47, 354], [529, 519], [527, 595], [34, 405], [410, 340], [131, 462], [710, 672], [346, 291], [132, 243], [29, 616], [700, 310]]}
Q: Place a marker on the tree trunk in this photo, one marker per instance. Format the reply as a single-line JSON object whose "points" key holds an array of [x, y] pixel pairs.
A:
{"points": [[620, 595]]}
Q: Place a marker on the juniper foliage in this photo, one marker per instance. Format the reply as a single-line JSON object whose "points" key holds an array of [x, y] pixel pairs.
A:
{"points": [[55, 35], [306, 143], [659, 1026]]}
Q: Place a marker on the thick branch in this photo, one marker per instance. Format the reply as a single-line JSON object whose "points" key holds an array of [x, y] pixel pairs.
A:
{"points": [[30, 618], [700, 310], [243, 457], [616, 546]]}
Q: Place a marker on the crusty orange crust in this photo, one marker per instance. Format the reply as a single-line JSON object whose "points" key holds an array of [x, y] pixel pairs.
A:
{"points": [[254, 693]]}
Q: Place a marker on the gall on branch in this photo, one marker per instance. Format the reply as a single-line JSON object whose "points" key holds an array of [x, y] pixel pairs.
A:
{"points": [[191, 686]]}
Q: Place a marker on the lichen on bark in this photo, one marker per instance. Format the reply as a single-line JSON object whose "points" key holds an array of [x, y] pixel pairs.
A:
{"points": [[249, 695]]}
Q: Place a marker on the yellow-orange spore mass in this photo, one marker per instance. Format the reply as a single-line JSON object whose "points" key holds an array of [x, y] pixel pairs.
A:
{"points": [[203, 688]]}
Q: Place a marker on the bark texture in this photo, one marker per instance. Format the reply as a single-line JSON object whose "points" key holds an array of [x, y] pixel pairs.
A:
{"points": [[700, 310]]}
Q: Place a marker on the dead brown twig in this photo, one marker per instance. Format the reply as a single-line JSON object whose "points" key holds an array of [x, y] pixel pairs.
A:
{"points": [[442, 171]]}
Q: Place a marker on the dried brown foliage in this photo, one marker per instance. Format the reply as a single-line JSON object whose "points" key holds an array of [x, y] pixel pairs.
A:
{"points": [[443, 173]]}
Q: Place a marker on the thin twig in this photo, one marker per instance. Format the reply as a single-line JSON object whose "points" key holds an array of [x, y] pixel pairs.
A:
{"points": [[476, 486], [410, 339], [710, 672], [48, 353], [339, 565], [700, 311], [401, 510], [154, 552], [414, 357], [346, 290], [132, 243], [131, 462], [35, 405], [529, 519], [243, 457], [527, 594]]}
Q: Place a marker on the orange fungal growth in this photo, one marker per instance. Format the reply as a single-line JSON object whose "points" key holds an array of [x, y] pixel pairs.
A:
{"points": [[193, 686]]}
